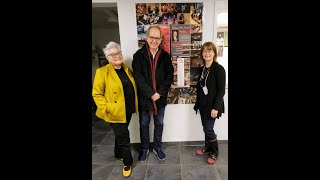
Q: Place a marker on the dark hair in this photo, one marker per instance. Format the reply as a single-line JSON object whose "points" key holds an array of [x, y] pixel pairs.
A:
{"points": [[209, 46], [175, 31]]}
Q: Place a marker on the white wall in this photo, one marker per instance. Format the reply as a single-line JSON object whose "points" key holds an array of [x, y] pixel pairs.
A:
{"points": [[221, 6], [224, 62], [180, 121]]}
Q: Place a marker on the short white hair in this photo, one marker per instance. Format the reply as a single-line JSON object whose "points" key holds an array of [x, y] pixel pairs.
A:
{"points": [[109, 46]]}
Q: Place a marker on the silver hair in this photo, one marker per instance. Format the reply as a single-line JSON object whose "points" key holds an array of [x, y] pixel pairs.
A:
{"points": [[109, 46]]}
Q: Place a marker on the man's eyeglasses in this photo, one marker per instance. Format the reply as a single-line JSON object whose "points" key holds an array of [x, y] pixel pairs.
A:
{"points": [[154, 38], [114, 55]]}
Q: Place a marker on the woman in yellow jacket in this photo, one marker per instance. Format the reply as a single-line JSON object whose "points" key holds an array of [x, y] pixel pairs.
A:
{"points": [[115, 94]]}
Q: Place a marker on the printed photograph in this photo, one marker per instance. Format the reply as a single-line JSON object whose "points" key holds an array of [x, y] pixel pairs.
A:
{"points": [[175, 72], [196, 36], [196, 61], [168, 8], [183, 18], [183, 7], [141, 14], [186, 50], [169, 19], [196, 45], [220, 39], [196, 10], [154, 15], [165, 44], [175, 36], [193, 93], [196, 28], [187, 77], [184, 97], [172, 97], [220, 51], [194, 75]]}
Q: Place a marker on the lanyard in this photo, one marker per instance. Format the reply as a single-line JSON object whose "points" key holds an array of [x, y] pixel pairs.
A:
{"points": [[202, 76]]}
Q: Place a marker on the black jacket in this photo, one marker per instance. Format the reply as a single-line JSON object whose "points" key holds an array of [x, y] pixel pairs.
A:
{"points": [[216, 83], [143, 78]]}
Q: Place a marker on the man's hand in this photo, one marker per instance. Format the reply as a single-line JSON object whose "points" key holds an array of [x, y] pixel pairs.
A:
{"points": [[214, 113], [155, 97]]}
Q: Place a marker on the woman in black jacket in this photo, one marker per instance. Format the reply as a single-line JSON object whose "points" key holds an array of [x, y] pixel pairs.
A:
{"points": [[210, 92]]}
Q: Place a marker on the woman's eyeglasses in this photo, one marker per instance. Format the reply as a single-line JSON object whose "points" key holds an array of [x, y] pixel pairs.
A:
{"points": [[114, 55]]}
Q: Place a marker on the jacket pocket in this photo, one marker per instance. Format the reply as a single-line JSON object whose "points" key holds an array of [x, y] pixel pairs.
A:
{"points": [[109, 108], [118, 109]]}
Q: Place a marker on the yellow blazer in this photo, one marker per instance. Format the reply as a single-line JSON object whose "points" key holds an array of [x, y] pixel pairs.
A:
{"points": [[108, 94]]}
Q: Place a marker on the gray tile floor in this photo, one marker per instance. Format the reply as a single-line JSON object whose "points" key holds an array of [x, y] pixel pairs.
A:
{"points": [[181, 161]]}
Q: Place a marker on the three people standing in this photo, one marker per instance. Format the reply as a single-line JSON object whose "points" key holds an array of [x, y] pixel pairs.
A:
{"points": [[118, 92]]}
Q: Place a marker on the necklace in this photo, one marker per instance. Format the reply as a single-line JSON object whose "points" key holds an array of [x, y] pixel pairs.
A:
{"points": [[205, 72]]}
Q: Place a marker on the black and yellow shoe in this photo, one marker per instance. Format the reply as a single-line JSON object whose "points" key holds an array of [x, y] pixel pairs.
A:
{"points": [[126, 172]]}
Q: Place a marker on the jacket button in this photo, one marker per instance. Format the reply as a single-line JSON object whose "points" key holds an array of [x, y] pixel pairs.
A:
{"points": [[115, 102]]}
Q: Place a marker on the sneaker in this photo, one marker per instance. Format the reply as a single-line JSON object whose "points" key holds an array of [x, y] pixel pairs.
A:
{"points": [[126, 171], [202, 152], [212, 159], [160, 154], [143, 156]]}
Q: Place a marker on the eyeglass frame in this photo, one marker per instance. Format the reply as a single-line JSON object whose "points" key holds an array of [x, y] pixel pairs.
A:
{"points": [[207, 51], [154, 38], [114, 55]]}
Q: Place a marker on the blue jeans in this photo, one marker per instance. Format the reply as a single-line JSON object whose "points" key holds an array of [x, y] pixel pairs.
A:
{"points": [[144, 117], [208, 124]]}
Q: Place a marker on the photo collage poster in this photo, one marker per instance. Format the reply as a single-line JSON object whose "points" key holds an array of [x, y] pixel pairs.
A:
{"points": [[181, 28]]}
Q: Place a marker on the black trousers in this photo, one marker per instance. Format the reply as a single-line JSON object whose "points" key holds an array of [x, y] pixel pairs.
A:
{"points": [[122, 141]]}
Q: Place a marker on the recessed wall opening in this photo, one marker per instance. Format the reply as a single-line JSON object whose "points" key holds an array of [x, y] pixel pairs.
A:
{"points": [[105, 28]]}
